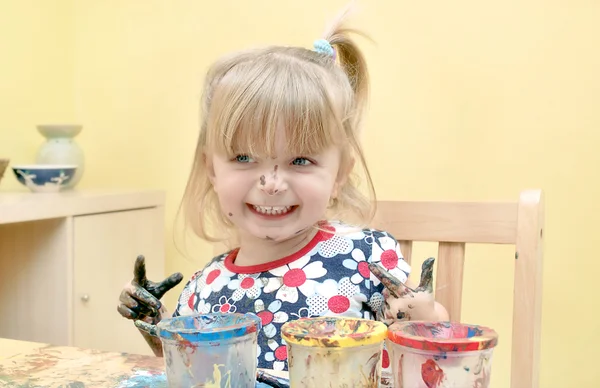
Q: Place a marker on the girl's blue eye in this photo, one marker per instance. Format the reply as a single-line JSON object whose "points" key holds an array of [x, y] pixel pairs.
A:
{"points": [[301, 162], [243, 159]]}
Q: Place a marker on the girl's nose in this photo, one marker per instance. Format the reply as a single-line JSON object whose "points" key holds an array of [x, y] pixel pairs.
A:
{"points": [[272, 183]]}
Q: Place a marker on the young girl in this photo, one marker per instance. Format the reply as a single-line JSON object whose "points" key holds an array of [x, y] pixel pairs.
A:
{"points": [[277, 146]]}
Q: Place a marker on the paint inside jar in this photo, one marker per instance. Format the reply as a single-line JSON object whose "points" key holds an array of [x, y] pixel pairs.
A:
{"points": [[441, 354], [334, 352]]}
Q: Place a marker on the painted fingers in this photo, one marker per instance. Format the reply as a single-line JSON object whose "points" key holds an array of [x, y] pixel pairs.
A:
{"points": [[136, 302], [159, 289], [140, 297], [389, 281]]}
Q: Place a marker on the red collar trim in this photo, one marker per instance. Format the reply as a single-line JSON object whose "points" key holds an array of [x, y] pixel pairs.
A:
{"points": [[250, 269]]}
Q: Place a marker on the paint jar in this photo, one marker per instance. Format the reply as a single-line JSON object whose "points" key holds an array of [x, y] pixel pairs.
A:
{"points": [[334, 352], [440, 354], [209, 350]]}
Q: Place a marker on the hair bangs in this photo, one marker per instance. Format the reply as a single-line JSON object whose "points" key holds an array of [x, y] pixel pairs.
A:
{"points": [[283, 97]]}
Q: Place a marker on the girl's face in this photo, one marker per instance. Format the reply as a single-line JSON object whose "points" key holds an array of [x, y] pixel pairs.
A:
{"points": [[276, 198]]}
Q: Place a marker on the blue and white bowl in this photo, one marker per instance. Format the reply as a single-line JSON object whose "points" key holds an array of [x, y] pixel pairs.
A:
{"points": [[45, 178]]}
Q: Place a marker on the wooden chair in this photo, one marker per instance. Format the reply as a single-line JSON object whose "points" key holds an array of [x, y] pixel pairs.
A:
{"points": [[452, 225]]}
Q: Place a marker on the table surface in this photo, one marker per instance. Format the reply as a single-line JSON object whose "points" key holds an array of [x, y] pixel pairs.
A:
{"points": [[31, 364]]}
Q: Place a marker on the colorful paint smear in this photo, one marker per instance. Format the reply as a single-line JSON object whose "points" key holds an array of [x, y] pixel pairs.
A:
{"points": [[64, 366], [334, 332], [71, 367], [441, 354], [431, 374], [143, 379], [334, 352]]}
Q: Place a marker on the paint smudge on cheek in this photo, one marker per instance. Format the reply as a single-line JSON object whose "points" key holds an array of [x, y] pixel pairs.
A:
{"points": [[263, 180]]}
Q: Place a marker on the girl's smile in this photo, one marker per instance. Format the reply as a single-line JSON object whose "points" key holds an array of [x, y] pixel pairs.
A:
{"points": [[272, 212]]}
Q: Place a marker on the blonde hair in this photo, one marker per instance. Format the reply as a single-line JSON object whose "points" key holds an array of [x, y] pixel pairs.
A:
{"points": [[249, 94]]}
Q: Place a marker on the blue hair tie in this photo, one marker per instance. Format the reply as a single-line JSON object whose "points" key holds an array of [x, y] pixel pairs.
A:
{"points": [[322, 46]]}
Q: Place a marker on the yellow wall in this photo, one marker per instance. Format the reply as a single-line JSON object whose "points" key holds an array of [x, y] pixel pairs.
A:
{"points": [[471, 100], [36, 72]]}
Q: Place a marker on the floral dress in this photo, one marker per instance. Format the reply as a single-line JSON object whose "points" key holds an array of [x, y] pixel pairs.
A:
{"points": [[329, 276]]}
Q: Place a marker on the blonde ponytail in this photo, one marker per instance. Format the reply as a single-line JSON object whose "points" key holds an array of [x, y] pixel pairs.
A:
{"points": [[352, 61]]}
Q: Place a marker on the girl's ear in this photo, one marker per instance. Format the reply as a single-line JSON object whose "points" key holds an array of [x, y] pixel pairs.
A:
{"points": [[344, 172]]}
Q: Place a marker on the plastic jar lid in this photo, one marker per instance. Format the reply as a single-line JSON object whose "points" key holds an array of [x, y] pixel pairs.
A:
{"points": [[442, 336], [208, 327], [333, 332]]}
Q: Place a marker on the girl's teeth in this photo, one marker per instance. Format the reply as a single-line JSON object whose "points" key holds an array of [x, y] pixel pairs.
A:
{"points": [[272, 210]]}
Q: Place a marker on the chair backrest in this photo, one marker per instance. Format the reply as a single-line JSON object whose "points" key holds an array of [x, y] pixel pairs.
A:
{"points": [[454, 224]]}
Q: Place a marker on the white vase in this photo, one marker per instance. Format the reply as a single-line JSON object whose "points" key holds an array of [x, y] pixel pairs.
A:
{"points": [[60, 148]]}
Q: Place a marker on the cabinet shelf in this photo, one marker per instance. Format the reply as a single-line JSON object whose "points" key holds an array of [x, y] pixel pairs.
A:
{"points": [[21, 206], [64, 259]]}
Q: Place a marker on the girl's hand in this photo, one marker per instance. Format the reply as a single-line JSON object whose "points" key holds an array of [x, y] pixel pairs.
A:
{"points": [[407, 303], [140, 298]]}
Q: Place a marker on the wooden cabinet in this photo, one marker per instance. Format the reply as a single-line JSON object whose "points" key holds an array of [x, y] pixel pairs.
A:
{"points": [[64, 259]]}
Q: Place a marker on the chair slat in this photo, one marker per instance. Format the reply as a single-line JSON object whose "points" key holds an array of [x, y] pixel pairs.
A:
{"points": [[527, 312], [468, 222], [406, 248], [449, 277]]}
